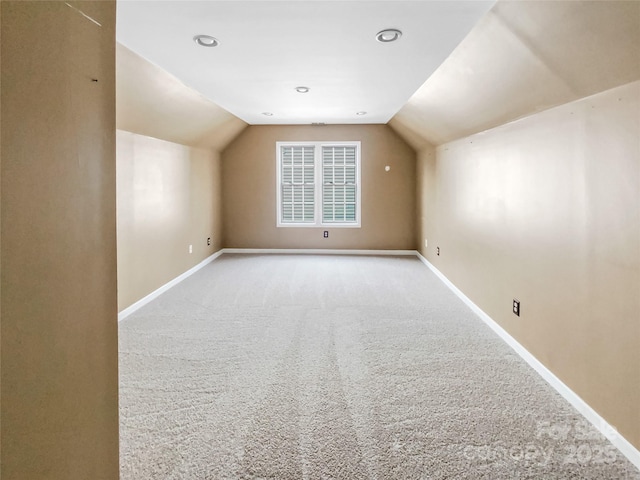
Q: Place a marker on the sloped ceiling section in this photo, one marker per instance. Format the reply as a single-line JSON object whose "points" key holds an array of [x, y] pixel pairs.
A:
{"points": [[268, 48], [152, 102], [522, 58]]}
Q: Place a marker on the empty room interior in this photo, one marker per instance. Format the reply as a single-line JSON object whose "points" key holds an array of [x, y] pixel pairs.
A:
{"points": [[319, 239]]}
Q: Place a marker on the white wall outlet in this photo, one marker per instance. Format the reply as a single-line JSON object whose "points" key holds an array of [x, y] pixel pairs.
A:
{"points": [[426, 243], [190, 248]]}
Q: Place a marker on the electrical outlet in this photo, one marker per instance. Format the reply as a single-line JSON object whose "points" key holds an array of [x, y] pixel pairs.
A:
{"points": [[209, 241], [426, 244], [326, 234], [190, 248], [438, 251], [516, 307]]}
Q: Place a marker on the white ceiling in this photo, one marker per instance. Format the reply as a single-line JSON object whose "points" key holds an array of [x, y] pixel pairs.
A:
{"points": [[522, 58], [267, 48]]}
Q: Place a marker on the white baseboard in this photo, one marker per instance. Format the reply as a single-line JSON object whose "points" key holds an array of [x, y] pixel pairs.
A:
{"points": [[156, 293], [318, 251], [622, 444]]}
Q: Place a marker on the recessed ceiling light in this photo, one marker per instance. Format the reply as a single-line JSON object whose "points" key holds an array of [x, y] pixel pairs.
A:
{"points": [[361, 113], [302, 89], [388, 35], [206, 41], [267, 114]]}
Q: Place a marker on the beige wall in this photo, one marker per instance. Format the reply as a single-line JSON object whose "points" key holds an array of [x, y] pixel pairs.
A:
{"points": [[169, 194], [150, 101], [168, 199], [521, 58], [249, 190], [547, 210], [426, 189], [0, 245], [59, 398]]}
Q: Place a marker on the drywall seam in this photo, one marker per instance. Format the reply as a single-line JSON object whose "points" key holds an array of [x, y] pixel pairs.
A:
{"points": [[156, 293], [618, 441]]}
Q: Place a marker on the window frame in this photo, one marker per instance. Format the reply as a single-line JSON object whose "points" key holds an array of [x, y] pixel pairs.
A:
{"points": [[318, 184]]}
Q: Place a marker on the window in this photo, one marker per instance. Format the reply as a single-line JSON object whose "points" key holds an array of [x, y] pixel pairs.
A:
{"points": [[318, 184]]}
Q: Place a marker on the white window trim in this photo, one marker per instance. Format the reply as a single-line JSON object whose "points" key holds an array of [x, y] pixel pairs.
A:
{"points": [[318, 185]]}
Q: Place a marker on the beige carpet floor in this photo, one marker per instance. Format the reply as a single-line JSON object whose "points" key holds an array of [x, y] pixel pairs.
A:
{"points": [[336, 367]]}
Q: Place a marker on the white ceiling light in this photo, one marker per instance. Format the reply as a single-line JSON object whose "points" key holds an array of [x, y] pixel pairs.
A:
{"points": [[361, 113], [302, 89], [388, 35], [206, 41], [267, 114]]}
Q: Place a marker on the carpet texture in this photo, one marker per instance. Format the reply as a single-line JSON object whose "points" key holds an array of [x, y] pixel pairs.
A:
{"points": [[336, 367]]}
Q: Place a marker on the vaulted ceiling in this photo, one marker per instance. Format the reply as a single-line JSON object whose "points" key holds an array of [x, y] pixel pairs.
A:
{"points": [[455, 71], [522, 58], [268, 48], [150, 101]]}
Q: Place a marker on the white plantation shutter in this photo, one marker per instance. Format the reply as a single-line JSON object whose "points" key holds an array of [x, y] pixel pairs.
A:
{"points": [[297, 184], [318, 184], [339, 184]]}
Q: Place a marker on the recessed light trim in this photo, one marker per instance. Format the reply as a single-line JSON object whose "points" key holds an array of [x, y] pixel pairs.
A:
{"points": [[206, 41], [388, 35], [267, 114], [302, 89], [361, 113]]}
